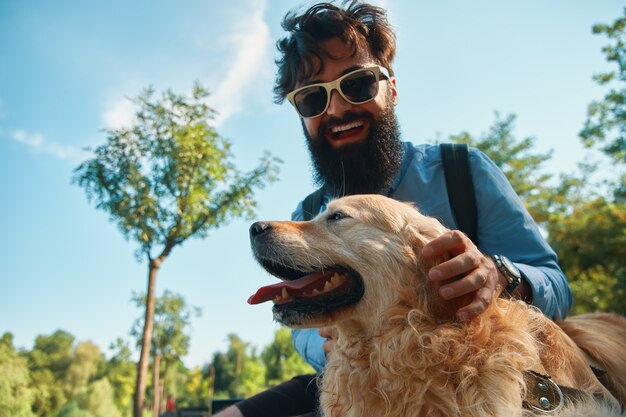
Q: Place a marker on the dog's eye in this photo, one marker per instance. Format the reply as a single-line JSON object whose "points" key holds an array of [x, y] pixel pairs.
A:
{"points": [[336, 215]]}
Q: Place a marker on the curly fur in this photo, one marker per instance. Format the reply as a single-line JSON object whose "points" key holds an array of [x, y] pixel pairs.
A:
{"points": [[399, 351]]}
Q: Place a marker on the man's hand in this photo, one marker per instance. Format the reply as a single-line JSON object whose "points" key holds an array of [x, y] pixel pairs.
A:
{"points": [[330, 333], [477, 273]]}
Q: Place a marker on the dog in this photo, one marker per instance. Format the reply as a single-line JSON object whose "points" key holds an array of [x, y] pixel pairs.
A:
{"points": [[400, 352]]}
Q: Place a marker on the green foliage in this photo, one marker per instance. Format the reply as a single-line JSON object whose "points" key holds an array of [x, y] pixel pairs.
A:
{"points": [[72, 409], [121, 372], [281, 359], [196, 388], [591, 243], [86, 362], [238, 372], [172, 322], [49, 361], [97, 398], [16, 397], [515, 158], [606, 119], [170, 176]]}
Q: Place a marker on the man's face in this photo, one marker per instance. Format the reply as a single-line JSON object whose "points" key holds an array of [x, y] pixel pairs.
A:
{"points": [[355, 148]]}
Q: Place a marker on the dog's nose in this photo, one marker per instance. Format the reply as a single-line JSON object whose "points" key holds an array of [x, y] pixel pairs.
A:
{"points": [[259, 228]]}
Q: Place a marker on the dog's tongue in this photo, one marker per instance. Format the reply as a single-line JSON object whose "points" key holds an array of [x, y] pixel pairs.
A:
{"points": [[268, 292]]}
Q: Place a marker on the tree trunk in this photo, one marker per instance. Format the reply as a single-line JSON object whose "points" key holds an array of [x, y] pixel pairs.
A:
{"points": [[157, 390], [142, 366]]}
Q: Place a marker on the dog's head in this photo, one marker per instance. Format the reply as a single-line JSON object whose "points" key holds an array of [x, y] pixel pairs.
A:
{"points": [[358, 258]]}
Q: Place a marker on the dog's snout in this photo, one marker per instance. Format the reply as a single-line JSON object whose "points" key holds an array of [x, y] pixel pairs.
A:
{"points": [[258, 228]]}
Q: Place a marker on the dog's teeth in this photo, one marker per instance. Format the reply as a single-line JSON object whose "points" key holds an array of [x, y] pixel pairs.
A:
{"points": [[328, 286], [315, 292], [284, 294], [336, 279]]}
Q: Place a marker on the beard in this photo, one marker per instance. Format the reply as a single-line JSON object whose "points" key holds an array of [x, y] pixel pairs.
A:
{"points": [[367, 167]]}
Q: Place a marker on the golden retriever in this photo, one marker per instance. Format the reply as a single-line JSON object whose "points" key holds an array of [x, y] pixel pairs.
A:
{"points": [[400, 352]]}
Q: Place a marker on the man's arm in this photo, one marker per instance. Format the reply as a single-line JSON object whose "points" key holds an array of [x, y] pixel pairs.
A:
{"points": [[291, 398], [504, 228]]}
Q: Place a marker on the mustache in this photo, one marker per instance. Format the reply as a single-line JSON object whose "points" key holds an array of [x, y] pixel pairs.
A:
{"points": [[347, 118]]}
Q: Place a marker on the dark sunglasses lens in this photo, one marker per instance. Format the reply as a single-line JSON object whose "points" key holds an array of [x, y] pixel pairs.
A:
{"points": [[311, 101], [360, 87]]}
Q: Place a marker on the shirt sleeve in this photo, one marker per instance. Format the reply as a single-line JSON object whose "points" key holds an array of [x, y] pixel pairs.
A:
{"points": [[506, 228]]}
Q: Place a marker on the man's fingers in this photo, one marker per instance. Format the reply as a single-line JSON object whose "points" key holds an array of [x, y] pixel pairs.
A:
{"points": [[450, 241], [469, 283], [456, 266], [478, 305]]}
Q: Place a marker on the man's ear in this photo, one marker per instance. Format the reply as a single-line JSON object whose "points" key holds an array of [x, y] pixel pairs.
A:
{"points": [[394, 90]]}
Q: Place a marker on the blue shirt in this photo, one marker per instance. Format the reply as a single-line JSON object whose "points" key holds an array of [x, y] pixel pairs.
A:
{"points": [[504, 227]]}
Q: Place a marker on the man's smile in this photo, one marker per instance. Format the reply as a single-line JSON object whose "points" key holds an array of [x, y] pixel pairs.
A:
{"points": [[346, 133]]}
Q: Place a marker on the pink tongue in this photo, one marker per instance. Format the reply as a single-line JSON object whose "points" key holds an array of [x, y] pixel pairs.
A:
{"points": [[268, 292]]}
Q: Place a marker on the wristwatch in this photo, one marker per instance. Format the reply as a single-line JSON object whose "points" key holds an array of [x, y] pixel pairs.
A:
{"points": [[509, 270]]}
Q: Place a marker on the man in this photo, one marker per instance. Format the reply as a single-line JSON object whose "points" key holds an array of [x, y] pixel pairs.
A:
{"points": [[336, 70]]}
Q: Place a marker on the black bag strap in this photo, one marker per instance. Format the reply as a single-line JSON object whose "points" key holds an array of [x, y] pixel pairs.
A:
{"points": [[455, 158], [312, 203]]}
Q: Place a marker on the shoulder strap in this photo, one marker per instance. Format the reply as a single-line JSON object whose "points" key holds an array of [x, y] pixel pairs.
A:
{"points": [[312, 203], [455, 158]]}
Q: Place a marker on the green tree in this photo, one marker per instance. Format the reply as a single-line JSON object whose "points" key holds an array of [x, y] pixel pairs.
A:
{"points": [[98, 400], [196, 388], [87, 360], [605, 125], [165, 179], [591, 243], [170, 337], [121, 372], [239, 372], [16, 397], [72, 409], [522, 167], [281, 359], [49, 362]]}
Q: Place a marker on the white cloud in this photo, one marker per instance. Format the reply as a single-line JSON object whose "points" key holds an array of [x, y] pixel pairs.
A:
{"points": [[39, 143], [119, 114], [250, 43]]}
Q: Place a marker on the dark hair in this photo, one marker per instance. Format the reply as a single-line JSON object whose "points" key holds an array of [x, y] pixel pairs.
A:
{"points": [[360, 25]]}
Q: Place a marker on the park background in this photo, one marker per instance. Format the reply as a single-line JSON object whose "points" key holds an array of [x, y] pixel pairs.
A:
{"points": [[68, 68]]}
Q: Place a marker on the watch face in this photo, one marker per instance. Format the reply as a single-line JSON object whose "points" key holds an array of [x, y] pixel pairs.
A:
{"points": [[513, 270]]}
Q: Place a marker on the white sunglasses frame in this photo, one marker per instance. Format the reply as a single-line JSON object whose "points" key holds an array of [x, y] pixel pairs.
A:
{"points": [[335, 85]]}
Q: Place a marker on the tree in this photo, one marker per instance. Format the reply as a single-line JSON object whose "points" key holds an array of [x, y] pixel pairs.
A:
{"points": [[170, 338], [522, 168], [16, 397], [48, 362], [282, 360], [121, 372], [87, 360], [606, 119], [238, 372], [165, 179], [591, 243]]}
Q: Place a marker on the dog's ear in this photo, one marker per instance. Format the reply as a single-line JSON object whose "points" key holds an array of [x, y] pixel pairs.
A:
{"points": [[440, 309]]}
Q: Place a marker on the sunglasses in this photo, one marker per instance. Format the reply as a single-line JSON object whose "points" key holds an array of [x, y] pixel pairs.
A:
{"points": [[356, 87]]}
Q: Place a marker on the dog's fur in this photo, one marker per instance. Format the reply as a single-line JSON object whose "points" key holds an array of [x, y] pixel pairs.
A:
{"points": [[400, 352]]}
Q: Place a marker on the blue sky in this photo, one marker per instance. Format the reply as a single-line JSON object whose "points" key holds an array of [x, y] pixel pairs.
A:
{"points": [[67, 66]]}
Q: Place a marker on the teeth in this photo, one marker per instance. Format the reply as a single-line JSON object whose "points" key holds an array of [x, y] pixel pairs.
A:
{"points": [[345, 127], [335, 281]]}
